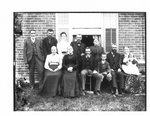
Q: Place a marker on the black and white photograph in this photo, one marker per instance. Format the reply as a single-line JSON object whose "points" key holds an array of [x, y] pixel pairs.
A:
{"points": [[79, 61], [75, 57]]}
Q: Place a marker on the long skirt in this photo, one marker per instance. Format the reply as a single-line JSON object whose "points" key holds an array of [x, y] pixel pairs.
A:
{"points": [[70, 84], [51, 83], [133, 84]]}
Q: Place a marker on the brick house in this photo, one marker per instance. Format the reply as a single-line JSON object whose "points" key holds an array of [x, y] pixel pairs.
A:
{"points": [[123, 29]]}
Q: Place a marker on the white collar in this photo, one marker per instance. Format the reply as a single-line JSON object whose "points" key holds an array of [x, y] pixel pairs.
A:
{"points": [[33, 39]]}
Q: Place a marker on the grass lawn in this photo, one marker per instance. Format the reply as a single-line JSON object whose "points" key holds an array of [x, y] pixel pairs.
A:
{"points": [[89, 102]]}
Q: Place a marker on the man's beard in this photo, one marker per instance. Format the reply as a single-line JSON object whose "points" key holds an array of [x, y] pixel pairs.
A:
{"points": [[79, 41], [114, 51]]}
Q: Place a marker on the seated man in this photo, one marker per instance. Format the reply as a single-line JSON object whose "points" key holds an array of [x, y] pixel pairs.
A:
{"points": [[89, 68], [114, 60], [104, 69]]}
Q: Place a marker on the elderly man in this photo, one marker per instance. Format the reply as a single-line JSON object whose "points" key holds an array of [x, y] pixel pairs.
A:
{"points": [[114, 60]]}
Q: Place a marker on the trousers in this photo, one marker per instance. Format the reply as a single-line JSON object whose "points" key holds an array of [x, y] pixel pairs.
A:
{"points": [[35, 62], [98, 77], [118, 80]]}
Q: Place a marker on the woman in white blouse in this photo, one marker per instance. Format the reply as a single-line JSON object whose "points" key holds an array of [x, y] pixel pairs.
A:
{"points": [[63, 44], [52, 75]]}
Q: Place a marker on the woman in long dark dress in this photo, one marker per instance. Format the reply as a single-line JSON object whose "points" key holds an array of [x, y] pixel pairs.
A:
{"points": [[70, 84], [52, 75]]}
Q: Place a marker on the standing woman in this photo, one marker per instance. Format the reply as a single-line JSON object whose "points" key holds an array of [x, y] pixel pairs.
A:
{"points": [[63, 44], [70, 84], [52, 75], [97, 49]]}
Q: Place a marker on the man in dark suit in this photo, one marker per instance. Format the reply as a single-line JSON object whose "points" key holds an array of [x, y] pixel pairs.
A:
{"points": [[114, 60], [33, 56], [48, 42], [78, 50], [89, 67]]}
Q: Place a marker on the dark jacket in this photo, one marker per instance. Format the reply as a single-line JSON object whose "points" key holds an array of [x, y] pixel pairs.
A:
{"points": [[97, 51], [70, 61], [78, 50], [48, 42], [103, 67], [114, 62], [28, 49], [89, 63]]}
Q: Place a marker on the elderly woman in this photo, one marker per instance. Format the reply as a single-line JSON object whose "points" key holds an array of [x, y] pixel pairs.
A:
{"points": [[70, 84], [129, 65], [52, 75], [130, 69]]}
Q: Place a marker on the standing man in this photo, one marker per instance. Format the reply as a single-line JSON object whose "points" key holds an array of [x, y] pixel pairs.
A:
{"points": [[78, 50], [48, 42], [33, 56], [114, 60], [89, 67]]}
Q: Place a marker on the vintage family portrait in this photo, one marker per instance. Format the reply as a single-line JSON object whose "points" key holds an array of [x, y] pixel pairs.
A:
{"points": [[79, 61]]}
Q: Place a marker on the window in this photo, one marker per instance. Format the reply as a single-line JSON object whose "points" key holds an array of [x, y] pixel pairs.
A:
{"points": [[110, 38]]}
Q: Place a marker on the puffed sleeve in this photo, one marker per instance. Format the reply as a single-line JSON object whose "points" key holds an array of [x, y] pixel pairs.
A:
{"points": [[46, 62]]}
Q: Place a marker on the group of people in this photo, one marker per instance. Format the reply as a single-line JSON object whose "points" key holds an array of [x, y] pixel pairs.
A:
{"points": [[63, 67]]}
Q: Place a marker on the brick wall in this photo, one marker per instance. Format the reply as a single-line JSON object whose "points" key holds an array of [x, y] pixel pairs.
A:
{"points": [[132, 33], [39, 22]]}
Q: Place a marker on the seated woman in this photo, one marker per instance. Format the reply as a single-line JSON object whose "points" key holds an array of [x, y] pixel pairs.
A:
{"points": [[52, 75], [70, 84], [129, 65]]}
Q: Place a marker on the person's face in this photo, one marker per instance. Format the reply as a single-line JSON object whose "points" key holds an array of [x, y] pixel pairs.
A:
{"points": [[53, 50], [79, 39], [103, 57], [50, 33], [114, 48], [70, 50], [88, 51], [63, 36], [32, 33], [96, 42], [126, 50]]}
